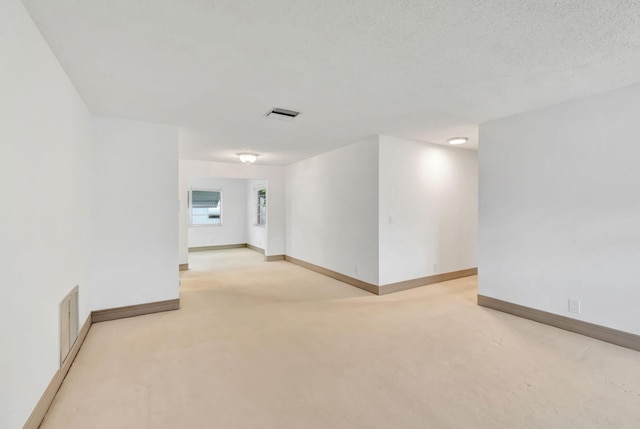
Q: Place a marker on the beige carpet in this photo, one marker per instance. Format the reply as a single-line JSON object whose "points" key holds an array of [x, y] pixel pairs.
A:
{"points": [[272, 345]]}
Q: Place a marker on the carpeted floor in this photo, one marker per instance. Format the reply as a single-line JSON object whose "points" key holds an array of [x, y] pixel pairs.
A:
{"points": [[272, 345]]}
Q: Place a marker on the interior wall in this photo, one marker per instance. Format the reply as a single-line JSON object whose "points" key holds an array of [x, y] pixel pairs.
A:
{"points": [[45, 182], [332, 210], [233, 229], [256, 234], [559, 209], [135, 234], [274, 175], [428, 209]]}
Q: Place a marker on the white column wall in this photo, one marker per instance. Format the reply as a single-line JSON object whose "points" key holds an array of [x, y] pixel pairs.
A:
{"points": [[560, 209], [135, 233], [332, 210], [428, 209], [45, 182]]}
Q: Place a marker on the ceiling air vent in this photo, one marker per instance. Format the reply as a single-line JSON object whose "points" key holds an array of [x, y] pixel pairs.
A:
{"points": [[283, 114]]}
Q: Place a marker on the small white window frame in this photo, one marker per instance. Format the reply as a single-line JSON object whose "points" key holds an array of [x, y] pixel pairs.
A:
{"points": [[258, 206], [190, 208]]}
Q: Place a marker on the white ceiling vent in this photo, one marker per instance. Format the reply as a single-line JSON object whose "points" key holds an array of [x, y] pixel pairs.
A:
{"points": [[283, 114]]}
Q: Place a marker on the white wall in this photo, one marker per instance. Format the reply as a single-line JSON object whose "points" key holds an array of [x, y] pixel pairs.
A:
{"points": [[135, 233], [256, 234], [275, 241], [45, 164], [560, 209], [233, 229], [428, 209], [332, 210]]}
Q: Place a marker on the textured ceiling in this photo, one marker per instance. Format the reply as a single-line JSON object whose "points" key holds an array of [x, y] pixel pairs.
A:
{"points": [[425, 70]]}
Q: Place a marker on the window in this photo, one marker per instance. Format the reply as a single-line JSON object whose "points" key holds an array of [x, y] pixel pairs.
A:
{"points": [[206, 207], [262, 207]]}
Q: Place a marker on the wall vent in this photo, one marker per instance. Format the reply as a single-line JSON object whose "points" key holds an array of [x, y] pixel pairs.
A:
{"points": [[283, 114], [68, 323]]}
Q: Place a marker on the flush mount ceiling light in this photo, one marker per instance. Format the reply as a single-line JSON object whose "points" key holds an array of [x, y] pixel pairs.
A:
{"points": [[457, 140], [247, 157], [282, 114]]}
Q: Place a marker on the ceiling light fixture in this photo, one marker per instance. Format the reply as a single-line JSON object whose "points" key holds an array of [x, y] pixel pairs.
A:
{"points": [[457, 140], [247, 157]]}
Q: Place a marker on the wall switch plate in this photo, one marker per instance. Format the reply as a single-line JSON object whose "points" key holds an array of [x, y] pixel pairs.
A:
{"points": [[574, 306]]}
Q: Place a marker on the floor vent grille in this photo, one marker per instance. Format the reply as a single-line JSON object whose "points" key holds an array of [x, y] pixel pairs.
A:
{"points": [[68, 323]]}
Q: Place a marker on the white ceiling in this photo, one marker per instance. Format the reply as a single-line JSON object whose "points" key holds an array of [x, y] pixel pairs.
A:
{"points": [[424, 70]]}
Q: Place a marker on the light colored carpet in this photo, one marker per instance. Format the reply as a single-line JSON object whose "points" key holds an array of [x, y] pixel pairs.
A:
{"points": [[272, 345]]}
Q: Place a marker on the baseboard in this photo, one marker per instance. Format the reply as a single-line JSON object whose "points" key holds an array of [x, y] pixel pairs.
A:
{"points": [[423, 281], [255, 248], [609, 335], [220, 247], [234, 246], [183, 267], [134, 310], [333, 274], [82, 334], [384, 289], [41, 408]]}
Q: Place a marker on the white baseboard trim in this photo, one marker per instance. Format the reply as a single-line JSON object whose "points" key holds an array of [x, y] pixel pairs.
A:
{"points": [[609, 335], [424, 281], [41, 408], [333, 274], [383, 289], [220, 247], [134, 310]]}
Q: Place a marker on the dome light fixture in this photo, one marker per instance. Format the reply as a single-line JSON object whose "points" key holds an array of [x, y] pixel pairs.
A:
{"points": [[457, 140], [247, 157]]}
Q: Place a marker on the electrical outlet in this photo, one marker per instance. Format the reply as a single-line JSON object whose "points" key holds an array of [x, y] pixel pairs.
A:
{"points": [[574, 306], [435, 268]]}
